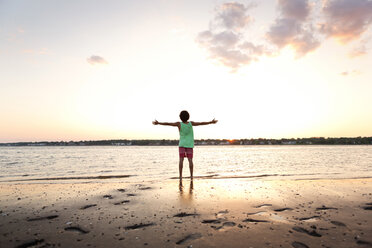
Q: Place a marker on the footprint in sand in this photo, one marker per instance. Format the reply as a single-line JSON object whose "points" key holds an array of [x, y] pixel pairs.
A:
{"points": [[225, 224], [140, 225], [50, 217], [188, 238], [299, 245], [258, 213], [217, 227], [108, 197], [144, 188], [263, 205], [183, 214], [364, 243], [273, 217], [254, 220], [31, 243], [121, 202], [337, 223], [76, 229], [221, 213], [310, 219], [229, 224], [282, 209], [303, 230], [212, 221], [88, 206], [368, 207]]}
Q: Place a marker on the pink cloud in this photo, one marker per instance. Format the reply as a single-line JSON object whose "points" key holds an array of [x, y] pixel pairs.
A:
{"points": [[294, 9], [359, 50], [233, 16], [94, 59], [349, 73], [225, 41], [301, 24], [346, 20], [293, 28]]}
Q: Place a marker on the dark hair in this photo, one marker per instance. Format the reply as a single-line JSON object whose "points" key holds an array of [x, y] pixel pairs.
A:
{"points": [[184, 115]]}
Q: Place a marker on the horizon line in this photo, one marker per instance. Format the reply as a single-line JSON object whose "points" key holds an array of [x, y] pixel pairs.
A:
{"points": [[223, 139]]}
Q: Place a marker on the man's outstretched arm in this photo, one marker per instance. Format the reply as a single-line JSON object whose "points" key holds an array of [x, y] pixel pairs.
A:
{"points": [[174, 124], [194, 123]]}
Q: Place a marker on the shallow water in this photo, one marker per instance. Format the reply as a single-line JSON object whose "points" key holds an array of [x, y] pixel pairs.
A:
{"points": [[161, 162]]}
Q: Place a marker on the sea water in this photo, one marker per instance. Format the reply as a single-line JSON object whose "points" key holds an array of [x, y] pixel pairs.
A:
{"points": [[148, 163]]}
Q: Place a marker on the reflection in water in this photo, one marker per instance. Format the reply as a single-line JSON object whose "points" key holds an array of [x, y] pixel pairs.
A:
{"points": [[186, 196]]}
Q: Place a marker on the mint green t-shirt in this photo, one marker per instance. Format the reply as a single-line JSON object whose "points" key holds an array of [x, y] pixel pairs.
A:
{"points": [[186, 135]]}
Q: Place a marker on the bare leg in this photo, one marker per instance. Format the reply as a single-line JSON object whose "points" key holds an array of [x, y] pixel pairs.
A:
{"points": [[180, 167], [191, 165]]}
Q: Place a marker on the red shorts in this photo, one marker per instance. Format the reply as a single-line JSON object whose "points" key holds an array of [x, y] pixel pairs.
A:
{"points": [[185, 152]]}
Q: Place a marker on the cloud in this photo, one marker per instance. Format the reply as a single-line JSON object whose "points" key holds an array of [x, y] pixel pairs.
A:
{"points": [[305, 43], [232, 16], [346, 20], [293, 27], [94, 59], [232, 58], [294, 9], [225, 41], [283, 31], [300, 24], [359, 50], [252, 49], [349, 73]]}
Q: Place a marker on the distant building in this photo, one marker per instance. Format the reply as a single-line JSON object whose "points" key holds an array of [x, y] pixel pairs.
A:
{"points": [[288, 142], [224, 143]]}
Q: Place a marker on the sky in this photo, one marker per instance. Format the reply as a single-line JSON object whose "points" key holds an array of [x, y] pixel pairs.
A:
{"points": [[88, 70]]}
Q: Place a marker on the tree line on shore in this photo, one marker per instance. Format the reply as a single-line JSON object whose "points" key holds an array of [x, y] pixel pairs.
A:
{"points": [[165, 142]]}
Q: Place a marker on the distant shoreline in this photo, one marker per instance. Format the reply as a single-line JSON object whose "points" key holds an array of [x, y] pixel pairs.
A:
{"points": [[210, 142]]}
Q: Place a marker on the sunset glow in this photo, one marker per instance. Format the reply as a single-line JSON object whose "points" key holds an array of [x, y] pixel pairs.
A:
{"points": [[267, 69]]}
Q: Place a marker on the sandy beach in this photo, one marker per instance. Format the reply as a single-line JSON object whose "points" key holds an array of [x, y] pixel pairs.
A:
{"points": [[201, 213]]}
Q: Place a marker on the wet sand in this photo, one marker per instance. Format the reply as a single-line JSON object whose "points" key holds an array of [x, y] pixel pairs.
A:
{"points": [[202, 213]]}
